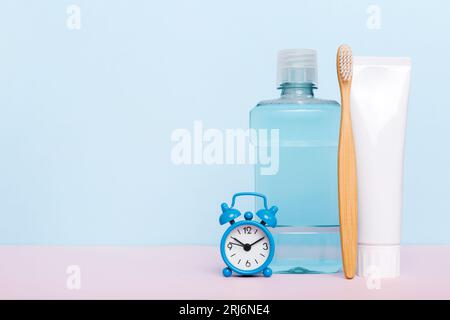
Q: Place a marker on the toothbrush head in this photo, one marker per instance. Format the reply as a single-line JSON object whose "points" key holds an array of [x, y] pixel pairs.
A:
{"points": [[345, 62]]}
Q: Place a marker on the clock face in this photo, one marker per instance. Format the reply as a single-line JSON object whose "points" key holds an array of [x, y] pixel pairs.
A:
{"points": [[247, 247]]}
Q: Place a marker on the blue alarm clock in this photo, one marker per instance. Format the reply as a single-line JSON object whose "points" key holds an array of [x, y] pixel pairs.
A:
{"points": [[247, 246]]}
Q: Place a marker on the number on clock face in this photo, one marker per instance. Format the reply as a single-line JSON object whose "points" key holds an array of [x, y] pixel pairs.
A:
{"points": [[247, 247]]}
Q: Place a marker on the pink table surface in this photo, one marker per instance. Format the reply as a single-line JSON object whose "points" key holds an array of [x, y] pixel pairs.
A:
{"points": [[194, 272]]}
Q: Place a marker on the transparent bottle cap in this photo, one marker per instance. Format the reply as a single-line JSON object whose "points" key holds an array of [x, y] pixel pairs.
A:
{"points": [[297, 66]]}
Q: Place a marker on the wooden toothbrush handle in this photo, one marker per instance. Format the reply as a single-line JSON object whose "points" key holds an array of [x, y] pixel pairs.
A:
{"points": [[347, 187]]}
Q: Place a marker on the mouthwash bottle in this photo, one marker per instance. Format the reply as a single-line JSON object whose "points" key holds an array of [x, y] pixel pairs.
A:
{"points": [[305, 184]]}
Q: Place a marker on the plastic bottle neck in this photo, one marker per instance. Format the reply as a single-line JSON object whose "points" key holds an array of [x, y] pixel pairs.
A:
{"points": [[297, 90]]}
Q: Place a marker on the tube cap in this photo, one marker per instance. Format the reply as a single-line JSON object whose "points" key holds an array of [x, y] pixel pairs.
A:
{"points": [[297, 66], [378, 261]]}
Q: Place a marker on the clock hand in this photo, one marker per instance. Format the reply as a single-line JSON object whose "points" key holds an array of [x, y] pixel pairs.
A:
{"points": [[242, 244], [257, 241], [236, 244]]}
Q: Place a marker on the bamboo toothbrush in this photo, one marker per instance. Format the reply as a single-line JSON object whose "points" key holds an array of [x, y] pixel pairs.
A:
{"points": [[347, 184]]}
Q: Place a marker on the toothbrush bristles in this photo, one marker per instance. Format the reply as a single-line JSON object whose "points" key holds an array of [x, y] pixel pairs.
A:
{"points": [[345, 62]]}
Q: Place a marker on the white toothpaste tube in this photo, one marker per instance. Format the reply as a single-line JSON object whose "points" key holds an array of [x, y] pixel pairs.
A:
{"points": [[379, 100]]}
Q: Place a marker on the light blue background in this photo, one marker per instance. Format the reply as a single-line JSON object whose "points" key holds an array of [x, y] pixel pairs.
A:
{"points": [[86, 116]]}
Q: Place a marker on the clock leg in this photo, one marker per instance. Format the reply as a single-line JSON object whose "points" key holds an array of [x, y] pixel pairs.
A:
{"points": [[227, 272], [267, 272]]}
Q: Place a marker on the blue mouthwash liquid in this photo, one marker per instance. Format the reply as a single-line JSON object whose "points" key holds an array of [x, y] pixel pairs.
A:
{"points": [[305, 186]]}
